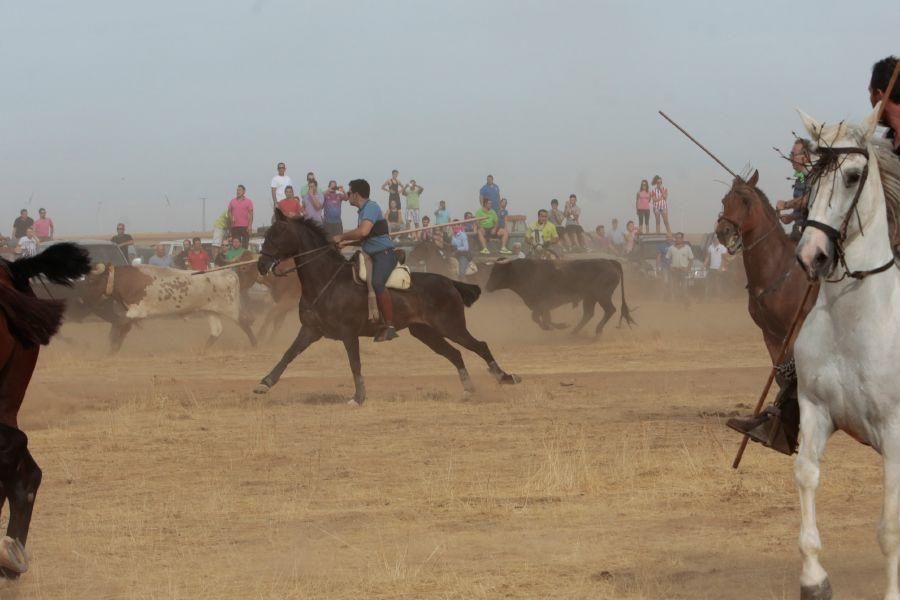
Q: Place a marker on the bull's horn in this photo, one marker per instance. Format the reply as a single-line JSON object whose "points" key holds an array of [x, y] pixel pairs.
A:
{"points": [[12, 555], [98, 269]]}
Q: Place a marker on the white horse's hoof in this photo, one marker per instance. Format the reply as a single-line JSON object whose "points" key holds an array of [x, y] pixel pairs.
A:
{"points": [[261, 388], [821, 591], [12, 555]]}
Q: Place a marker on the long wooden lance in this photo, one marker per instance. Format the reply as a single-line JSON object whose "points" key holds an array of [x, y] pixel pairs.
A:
{"points": [[701, 146]]}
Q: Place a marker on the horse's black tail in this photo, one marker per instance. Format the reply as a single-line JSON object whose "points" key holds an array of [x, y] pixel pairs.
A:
{"points": [[60, 263], [470, 293], [626, 312]]}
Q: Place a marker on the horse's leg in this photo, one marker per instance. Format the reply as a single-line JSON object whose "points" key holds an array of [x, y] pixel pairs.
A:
{"points": [[215, 330], [266, 321], [815, 429], [351, 345], [304, 339], [431, 338], [245, 322], [20, 480], [609, 309], [458, 333], [587, 306], [889, 529]]}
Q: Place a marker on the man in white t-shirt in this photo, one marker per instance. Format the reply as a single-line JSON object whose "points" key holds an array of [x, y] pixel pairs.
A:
{"points": [[279, 182], [715, 264], [680, 257]]}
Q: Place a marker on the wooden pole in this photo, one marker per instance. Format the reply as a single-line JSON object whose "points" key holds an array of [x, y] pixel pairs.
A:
{"points": [[231, 266], [417, 230], [781, 356], [702, 147], [888, 91]]}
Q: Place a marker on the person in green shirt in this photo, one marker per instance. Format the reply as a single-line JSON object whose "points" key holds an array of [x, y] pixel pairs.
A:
{"points": [[235, 251], [412, 193], [489, 227]]}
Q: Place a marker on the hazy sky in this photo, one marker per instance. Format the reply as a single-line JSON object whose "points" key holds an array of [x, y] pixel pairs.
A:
{"points": [[108, 108]]}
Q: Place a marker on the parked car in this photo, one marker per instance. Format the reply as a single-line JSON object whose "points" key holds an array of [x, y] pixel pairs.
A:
{"points": [[648, 247], [173, 247]]}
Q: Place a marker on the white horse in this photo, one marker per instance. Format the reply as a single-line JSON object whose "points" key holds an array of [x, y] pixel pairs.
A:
{"points": [[847, 353]]}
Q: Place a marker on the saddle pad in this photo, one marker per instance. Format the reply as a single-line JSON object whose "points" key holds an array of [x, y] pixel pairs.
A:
{"points": [[400, 278]]}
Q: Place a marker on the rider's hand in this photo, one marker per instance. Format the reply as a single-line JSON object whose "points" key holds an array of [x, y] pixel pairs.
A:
{"points": [[780, 205]]}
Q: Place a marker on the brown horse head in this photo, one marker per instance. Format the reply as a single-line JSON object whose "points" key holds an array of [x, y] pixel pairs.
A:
{"points": [[745, 210]]}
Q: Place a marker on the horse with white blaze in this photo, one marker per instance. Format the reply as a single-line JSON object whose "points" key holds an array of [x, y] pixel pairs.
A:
{"points": [[847, 353]]}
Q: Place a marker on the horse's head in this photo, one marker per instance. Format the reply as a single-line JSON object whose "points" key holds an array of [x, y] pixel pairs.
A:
{"points": [[288, 237], [842, 188], [740, 214]]}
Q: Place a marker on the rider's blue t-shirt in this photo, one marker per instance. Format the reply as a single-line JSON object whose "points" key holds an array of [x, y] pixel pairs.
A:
{"points": [[370, 211]]}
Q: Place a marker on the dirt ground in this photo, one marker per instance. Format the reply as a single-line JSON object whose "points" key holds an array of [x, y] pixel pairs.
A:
{"points": [[604, 474]]}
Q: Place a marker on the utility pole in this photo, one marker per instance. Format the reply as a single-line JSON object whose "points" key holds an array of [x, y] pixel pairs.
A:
{"points": [[203, 219]]}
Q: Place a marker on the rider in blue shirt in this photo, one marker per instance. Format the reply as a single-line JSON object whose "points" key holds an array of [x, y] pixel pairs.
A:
{"points": [[373, 232]]}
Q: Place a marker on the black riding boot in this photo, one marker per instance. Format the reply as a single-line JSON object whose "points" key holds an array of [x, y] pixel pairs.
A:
{"points": [[778, 426]]}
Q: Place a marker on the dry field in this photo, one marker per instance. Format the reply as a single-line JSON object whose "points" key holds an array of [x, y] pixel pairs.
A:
{"points": [[605, 474]]}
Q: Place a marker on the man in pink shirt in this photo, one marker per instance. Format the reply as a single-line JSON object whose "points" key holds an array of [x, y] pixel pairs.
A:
{"points": [[240, 211], [43, 227]]}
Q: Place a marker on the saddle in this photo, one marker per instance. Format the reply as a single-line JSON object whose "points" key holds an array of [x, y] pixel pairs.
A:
{"points": [[400, 278]]}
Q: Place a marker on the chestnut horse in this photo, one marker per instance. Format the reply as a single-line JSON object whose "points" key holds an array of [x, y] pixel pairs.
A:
{"points": [[26, 323], [775, 287], [334, 306]]}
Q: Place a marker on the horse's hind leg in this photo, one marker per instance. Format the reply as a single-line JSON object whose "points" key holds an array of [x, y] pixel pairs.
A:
{"points": [[304, 339], [889, 529], [246, 326], [461, 336], [21, 478], [815, 429], [431, 338]]}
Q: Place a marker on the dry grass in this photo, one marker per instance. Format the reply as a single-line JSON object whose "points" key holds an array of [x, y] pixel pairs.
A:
{"points": [[606, 474]]}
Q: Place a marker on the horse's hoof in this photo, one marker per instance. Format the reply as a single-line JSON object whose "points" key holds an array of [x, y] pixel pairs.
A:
{"points": [[261, 388], [821, 591], [509, 379], [12, 556]]}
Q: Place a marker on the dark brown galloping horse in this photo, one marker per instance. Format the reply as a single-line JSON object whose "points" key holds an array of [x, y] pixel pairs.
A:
{"points": [[334, 306], [26, 323], [775, 287]]}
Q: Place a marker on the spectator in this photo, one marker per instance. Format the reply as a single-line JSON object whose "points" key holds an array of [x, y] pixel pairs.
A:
{"points": [[220, 226], [394, 216], [460, 243], [659, 198], [334, 198], [428, 234], [878, 82], [642, 203], [601, 242], [489, 228], [631, 237], [43, 227], [574, 231], [801, 162], [197, 257], [160, 258], [502, 213], [412, 193], [393, 186], [29, 244], [490, 191], [279, 184], [680, 258], [663, 262], [617, 237], [715, 266], [123, 240], [310, 177], [542, 233], [235, 251], [181, 259], [240, 214], [313, 201], [558, 218], [517, 251], [469, 227], [290, 206], [21, 225], [441, 215]]}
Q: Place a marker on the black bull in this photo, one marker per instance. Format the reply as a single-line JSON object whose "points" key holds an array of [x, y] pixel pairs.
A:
{"points": [[546, 284]]}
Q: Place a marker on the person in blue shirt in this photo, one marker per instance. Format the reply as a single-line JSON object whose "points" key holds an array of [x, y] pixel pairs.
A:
{"points": [[490, 191], [372, 231]]}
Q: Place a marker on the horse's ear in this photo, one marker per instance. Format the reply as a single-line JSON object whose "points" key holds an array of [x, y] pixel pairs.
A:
{"points": [[871, 121], [280, 216], [754, 179], [812, 126]]}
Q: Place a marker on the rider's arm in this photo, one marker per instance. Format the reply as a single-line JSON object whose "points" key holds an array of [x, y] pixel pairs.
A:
{"points": [[356, 234]]}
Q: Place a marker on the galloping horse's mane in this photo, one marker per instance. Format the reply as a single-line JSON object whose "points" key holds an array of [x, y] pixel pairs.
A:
{"points": [[316, 229], [757, 191]]}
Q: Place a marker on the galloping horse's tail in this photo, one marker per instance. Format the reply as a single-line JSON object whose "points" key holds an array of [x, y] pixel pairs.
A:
{"points": [[470, 293], [626, 312], [60, 263]]}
